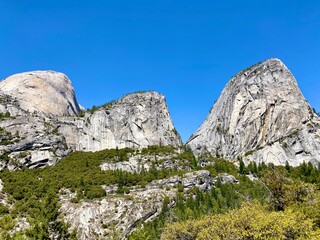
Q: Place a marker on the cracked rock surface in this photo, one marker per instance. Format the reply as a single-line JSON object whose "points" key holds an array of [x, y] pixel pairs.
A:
{"points": [[261, 115], [39, 125], [137, 120]]}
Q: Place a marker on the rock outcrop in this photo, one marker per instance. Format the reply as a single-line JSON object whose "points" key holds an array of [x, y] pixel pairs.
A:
{"points": [[116, 214], [27, 139], [261, 115], [45, 92], [140, 161], [136, 120], [3, 197], [30, 141]]}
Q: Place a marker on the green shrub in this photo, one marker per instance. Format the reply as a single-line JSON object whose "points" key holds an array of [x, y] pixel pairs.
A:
{"points": [[92, 192]]}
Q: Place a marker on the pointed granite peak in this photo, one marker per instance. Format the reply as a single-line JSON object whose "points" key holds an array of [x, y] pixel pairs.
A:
{"points": [[46, 92], [260, 74], [259, 107]]}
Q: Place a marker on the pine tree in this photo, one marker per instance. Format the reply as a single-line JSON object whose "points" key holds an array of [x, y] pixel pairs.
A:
{"points": [[242, 167]]}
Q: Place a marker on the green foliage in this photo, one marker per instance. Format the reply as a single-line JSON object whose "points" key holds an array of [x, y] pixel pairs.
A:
{"points": [[241, 167], [91, 192], [4, 157], [278, 185], [186, 158], [152, 230], [252, 167], [110, 104], [307, 173], [81, 113], [293, 134], [292, 206], [5, 115], [3, 209], [35, 191], [158, 150], [221, 166], [251, 221], [249, 153], [6, 137], [194, 204], [7, 224], [285, 184], [80, 171], [104, 106], [287, 190]]}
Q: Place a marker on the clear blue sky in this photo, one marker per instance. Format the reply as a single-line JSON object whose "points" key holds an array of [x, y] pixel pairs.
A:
{"points": [[187, 50]]}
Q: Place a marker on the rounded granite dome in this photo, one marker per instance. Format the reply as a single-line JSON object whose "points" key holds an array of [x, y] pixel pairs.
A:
{"points": [[47, 92]]}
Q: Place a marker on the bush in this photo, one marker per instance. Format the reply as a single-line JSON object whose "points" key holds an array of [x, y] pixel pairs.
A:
{"points": [[126, 190], [92, 192], [3, 209], [74, 200], [251, 221]]}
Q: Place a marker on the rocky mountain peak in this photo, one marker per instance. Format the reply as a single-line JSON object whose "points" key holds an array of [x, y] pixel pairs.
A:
{"points": [[45, 92], [260, 107], [136, 120], [142, 96], [260, 74]]}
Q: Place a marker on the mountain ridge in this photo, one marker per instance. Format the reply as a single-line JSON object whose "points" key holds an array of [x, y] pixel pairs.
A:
{"points": [[260, 107], [35, 135]]}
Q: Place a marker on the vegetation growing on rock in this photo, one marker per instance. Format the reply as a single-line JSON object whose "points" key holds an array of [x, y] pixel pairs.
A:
{"points": [[286, 193]]}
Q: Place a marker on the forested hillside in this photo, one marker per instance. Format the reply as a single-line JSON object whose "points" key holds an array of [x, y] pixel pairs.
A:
{"points": [[278, 203], [266, 201]]}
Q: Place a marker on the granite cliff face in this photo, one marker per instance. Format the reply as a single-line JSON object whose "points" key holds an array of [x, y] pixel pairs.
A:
{"points": [[38, 125], [261, 115], [137, 120], [27, 139], [45, 92]]}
